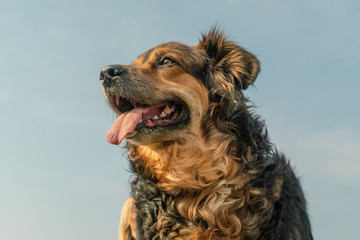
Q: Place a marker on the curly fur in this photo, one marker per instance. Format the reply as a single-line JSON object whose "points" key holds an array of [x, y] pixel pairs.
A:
{"points": [[219, 177]]}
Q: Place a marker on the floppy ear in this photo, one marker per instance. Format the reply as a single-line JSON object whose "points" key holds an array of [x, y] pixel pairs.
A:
{"points": [[232, 68]]}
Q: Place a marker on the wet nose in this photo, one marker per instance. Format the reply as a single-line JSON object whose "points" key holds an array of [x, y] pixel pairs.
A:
{"points": [[108, 73]]}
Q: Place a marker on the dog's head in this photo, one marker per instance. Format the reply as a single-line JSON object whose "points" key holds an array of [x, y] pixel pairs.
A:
{"points": [[166, 93]]}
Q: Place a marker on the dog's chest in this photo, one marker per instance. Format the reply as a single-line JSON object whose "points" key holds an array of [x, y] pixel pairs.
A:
{"points": [[156, 216]]}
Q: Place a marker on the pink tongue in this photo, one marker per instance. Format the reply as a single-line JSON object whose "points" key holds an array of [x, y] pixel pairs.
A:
{"points": [[124, 124]]}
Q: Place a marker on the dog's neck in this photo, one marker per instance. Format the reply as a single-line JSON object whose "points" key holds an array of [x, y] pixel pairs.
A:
{"points": [[202, 173], [195, 164]]}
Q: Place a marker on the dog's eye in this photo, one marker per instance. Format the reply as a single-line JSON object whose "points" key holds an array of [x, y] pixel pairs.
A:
{"points": [[167, 62]]}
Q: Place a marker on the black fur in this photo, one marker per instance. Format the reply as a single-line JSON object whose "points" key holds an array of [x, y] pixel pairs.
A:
{"points": [[289, 219]]}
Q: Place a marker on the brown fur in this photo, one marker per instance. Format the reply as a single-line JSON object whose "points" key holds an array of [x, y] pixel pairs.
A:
{"points": [[128, 220]]}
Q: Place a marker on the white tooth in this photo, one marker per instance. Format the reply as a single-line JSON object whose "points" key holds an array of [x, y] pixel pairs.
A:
{"points": [[117, 99], [167, 110], [133, 102], [141, 120], [155, 117], [163, 114], [172, 108]]}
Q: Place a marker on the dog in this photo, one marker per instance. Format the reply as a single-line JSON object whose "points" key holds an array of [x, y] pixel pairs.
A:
{"points": [[203, 164]]}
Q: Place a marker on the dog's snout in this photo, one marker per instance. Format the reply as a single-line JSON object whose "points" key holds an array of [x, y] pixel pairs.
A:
{"points": [[110, 72]]}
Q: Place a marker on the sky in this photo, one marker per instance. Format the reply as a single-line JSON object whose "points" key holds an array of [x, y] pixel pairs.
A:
{"points": [[60, 179]]}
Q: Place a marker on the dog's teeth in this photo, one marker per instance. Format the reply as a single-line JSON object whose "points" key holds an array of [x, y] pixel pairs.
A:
{"points": [[117, 100], [133, 102], [167, 110], [163, 114], [155, 117], [172, 108], [141, 121]]}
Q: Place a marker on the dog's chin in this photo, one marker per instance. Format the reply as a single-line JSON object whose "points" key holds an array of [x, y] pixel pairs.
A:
{"points": [[160, 121], [156, 136]]}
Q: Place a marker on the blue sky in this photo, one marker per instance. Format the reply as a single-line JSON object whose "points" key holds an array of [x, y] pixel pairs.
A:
{"points": [[60, 179]]}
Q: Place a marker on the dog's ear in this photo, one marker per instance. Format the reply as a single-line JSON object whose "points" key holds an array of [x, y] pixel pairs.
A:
{"points": [[231, 68]]}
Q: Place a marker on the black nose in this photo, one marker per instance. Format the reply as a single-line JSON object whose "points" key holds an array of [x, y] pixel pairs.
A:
{"points": [[108, 73]]}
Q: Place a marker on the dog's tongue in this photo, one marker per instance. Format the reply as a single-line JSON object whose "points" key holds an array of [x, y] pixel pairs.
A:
{"points": [[124, 124]]}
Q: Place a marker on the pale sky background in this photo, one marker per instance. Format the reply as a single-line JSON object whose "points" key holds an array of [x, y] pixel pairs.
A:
{"points": [[60, 179]]}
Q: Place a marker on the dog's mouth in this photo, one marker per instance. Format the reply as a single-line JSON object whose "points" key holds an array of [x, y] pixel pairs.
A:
{"points": [[138, 117]]}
